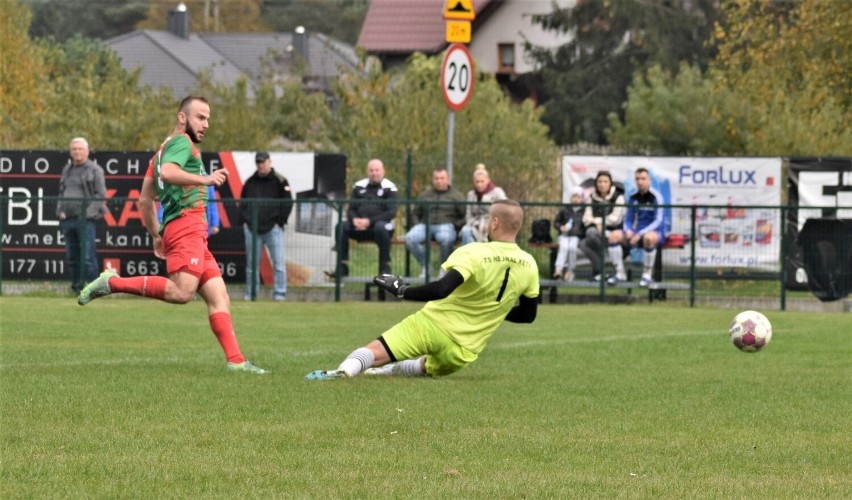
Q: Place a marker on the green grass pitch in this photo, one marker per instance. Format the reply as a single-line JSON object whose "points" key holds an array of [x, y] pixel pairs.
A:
{"points": [[129, 398]]}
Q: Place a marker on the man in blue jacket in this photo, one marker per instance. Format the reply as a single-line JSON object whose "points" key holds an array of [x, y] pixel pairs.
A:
{"points": [[644, 222]]}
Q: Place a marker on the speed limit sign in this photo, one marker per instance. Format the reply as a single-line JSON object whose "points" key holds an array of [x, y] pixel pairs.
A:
{"points": [[457, 76]]}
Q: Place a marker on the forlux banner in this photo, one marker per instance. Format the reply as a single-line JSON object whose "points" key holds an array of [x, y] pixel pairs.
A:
{"points": [[733, 231]]}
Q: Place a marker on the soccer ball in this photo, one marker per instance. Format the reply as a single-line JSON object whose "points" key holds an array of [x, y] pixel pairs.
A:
{"points": [[750, 331]]}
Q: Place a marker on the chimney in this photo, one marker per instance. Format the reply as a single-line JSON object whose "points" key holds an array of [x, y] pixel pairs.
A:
{"points": [[179, 22], [300, 46]]}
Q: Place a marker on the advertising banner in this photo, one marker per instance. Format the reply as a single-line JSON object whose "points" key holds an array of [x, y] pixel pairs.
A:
{"points": [[729, 235], [818, 190], [33, 246]]}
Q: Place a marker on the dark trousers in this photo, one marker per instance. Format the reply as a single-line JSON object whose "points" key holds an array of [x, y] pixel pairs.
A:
{"points": [[376, 233], [76, 233], [593, 246]]}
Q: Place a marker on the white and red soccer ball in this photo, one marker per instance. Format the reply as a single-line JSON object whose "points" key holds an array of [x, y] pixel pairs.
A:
{"points": [[750, 331]]}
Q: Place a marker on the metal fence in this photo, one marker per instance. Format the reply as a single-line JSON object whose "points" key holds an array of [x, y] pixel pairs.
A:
{"points": [[714, 254]]}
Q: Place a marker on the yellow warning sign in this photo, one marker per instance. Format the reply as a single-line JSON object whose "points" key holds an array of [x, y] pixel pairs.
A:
{"points": [[461, 10], [458, 31]]}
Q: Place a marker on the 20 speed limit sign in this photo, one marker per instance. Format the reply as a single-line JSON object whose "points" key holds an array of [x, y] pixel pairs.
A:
{"points": [[457, 76]]}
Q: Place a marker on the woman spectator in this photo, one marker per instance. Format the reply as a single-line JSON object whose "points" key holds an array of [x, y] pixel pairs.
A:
{"points": [[603, 218], [479, 198]]}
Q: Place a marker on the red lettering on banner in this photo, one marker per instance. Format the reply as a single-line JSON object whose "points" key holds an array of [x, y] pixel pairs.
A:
{"points": [[131, 208], [108, 218]]}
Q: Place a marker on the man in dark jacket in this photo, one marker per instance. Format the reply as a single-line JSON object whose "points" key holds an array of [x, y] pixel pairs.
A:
{"points": [[444, 219], [81, 179], [370, 216], [275, 201]]}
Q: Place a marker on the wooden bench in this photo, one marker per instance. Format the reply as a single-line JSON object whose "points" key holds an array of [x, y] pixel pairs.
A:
{"points": [[551, 286], [656, 290], [368, 280]]}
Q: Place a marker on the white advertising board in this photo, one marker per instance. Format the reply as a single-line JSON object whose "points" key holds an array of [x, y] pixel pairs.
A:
{"points": [[727, 236]]}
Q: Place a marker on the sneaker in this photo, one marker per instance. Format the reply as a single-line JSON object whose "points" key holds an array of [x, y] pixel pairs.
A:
{"points": [[325, 375], [645, 280], [247, 367], [344, 272], [616, 279], [569, 276], [557, 275], [596, 278], [280, 298], [385, 370], [97, 288]]}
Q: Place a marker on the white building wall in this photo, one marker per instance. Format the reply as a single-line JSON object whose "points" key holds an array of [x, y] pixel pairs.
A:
{"points": [[506, 26]]}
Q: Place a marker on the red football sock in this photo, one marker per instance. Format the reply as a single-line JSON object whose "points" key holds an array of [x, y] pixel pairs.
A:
{"points": [[222, 327], [146, 286]]}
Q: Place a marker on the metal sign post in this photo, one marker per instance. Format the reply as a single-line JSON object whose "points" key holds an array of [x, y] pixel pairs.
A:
{"points": [[457, 80]]}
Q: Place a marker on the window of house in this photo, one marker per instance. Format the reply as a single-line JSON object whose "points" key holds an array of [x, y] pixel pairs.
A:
{"points": [[506, 57]]}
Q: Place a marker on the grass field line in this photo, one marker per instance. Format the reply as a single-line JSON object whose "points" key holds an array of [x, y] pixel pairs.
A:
{"points": [[314, 352], [602, 338]]}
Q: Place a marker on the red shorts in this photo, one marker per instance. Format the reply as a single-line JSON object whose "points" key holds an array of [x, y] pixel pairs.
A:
{"points": [[185, 241]]}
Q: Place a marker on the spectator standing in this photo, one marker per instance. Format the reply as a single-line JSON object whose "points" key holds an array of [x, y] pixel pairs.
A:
{"points": [[370, 216], [81, 178], [445, 215], [603, 219], [267, 192], [484, 193], [176, 177], [485, 284], [644, 223], [569, 227]]}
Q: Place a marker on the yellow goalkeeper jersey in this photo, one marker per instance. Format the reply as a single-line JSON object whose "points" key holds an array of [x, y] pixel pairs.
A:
{"points": [[495, 275]]}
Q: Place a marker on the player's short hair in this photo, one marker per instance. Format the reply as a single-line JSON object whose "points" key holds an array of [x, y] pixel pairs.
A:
{"points": [[511, 203], [642, 170], [514, 207], [188, 100]]}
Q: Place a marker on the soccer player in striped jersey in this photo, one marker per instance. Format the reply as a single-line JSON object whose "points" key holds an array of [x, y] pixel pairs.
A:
{"points": [[176, 177], [485, 283]]}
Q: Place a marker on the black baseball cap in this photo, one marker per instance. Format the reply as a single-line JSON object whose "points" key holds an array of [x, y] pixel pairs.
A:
{"points": [[261, 156]]}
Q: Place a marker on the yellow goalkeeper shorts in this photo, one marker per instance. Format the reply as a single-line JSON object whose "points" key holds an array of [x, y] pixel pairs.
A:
{"points": [[416, 336]]}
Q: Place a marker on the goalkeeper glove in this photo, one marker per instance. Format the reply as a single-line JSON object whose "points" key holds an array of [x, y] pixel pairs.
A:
{"points": [[392, 283]]}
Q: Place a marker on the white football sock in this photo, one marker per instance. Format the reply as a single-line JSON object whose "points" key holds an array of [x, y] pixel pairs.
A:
{"points": [[617, 256], [360, 359], [411, 367], [650, 257]]}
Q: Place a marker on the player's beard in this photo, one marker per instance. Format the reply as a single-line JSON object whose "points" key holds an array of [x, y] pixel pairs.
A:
{"points": [[192, 135]]}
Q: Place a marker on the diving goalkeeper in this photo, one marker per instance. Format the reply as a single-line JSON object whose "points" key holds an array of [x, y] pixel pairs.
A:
{"points": [[484, 284]]}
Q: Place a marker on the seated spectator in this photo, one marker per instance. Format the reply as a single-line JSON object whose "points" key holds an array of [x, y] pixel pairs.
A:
{"points": [[484, 193], [603, 218], [643, 224], [569, 227], [443, 218], [370, 216]]}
